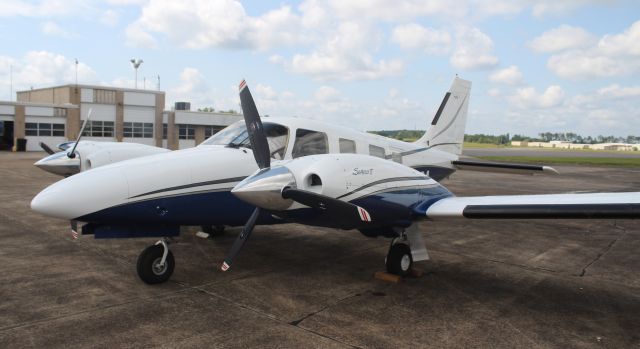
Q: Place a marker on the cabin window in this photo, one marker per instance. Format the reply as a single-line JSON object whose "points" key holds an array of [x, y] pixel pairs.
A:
{"points": [[347, 146], [376, 151], [309, 143]]}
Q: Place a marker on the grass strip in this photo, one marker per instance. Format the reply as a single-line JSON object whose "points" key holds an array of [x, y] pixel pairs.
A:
{"points": [[552, 160]]}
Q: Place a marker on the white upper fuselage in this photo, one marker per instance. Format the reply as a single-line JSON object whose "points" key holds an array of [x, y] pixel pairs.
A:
{"points": [[192, 186]]}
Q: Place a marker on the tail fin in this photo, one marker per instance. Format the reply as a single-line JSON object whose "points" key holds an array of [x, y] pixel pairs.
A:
{"points": [[447, 128]]}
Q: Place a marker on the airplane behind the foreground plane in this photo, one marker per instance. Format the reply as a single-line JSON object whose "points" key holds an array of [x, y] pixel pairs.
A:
{"points": [[380, 195], [77, 156]]}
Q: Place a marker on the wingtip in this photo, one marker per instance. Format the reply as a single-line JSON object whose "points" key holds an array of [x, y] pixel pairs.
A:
{"points": [[550, 170], [224, 266], [242, 85]]}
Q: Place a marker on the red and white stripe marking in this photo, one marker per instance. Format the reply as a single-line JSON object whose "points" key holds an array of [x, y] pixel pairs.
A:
{"points": [[74, 234], [243, 84], [364, 215], [224, 266]]}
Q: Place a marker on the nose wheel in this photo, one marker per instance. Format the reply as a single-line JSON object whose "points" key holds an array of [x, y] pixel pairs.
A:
{"points": [[399, 260], [155, 263]]}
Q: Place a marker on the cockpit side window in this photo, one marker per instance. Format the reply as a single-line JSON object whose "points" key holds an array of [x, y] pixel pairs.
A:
{"points": [[309, 142], [235, 135], [277, 136]]}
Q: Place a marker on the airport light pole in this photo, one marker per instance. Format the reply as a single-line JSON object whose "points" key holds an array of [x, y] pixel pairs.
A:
{"points": [[136, 64], [11, 82]]}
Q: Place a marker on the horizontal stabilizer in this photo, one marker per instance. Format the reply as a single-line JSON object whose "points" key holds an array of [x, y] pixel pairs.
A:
{"points": [[501, 167], [552, 206]]}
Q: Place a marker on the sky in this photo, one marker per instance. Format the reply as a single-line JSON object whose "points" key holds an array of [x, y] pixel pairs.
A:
{"points": [[536, 66]]}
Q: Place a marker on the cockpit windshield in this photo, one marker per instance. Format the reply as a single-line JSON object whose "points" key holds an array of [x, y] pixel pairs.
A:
{"points": [[235, 135]]}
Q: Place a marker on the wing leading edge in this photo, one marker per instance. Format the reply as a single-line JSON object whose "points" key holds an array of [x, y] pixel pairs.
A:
{"points": [[551, 206]]}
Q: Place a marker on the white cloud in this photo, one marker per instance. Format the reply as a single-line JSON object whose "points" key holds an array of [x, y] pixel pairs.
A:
{"points": [[494, 92], [617, 91], [266, 92], [127, 2], [345, 55], [137, 37], [393, 10], [43, 8], [474, 50], [562, 38], [528, 97], [110, 18], [193, 88], [41, 69], [510, 76], [200, 24], [555, 7], [326, 94], [52, 29], [416, 37], [612, 55]]}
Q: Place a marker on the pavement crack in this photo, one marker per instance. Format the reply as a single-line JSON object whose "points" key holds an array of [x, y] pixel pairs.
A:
{"points": [[325, 307], [273, 317], [606, 249]]}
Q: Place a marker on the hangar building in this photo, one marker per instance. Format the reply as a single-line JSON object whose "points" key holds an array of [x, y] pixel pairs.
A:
{"points": [[55, 114]]}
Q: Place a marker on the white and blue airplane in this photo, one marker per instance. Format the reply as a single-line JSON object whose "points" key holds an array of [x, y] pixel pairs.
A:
{"points": [[321, 175]]}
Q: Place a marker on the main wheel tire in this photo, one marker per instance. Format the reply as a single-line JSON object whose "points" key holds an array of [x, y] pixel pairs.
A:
{"points": [[148, 266], [215, 230], [399, 260]]}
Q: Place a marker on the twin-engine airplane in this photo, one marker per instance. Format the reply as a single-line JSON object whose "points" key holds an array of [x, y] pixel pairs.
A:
{"points": [[85, 155], [329, 177]]}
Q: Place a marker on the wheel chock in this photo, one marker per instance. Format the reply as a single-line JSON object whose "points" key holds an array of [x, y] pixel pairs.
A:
{"points": [[384, 276], [392, 278]]}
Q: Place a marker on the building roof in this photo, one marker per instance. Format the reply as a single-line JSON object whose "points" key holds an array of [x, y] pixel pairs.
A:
{"points": [[101, 87]]}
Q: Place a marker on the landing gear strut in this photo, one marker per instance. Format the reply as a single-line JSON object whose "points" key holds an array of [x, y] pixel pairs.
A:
{"points": [[155, 263], [404, 250]]}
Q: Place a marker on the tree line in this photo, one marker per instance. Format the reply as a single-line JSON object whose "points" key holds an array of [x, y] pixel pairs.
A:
{"points": [[412, 135]]}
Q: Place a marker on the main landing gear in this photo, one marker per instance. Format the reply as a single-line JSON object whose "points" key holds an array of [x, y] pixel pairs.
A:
{"points": [[155, 263], [404, 250]]}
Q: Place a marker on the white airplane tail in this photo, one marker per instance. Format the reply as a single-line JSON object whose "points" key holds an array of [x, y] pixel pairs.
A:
{"points": [[447, 128]]}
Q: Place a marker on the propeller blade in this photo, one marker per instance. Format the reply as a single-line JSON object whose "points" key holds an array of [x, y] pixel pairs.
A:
{"points": [[72, 153], [346, 214], [257, 137], [240, 240], [74, 229], [46, 148]]}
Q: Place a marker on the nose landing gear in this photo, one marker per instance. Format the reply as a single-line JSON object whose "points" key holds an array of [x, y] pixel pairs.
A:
{"points": [[155, 263]]}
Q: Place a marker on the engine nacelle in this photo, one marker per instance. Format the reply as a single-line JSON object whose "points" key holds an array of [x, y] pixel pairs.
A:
{"points": [[342, 176]]}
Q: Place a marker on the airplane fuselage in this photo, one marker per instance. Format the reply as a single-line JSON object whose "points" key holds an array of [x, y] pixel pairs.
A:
{"points": [[192, 186]]}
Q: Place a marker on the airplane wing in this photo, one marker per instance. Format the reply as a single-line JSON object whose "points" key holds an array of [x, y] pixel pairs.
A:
{"points": [[501, 167], [551, 206]]}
